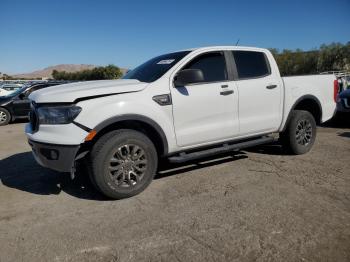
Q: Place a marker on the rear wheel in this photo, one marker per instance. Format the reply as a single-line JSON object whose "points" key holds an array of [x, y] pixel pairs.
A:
{"points": [[123, 163], [5, 116], [300, 133]]}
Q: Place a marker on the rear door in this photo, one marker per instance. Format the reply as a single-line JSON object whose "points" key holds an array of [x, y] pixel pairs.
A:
{"points": [[260, 93], [207, 111]]}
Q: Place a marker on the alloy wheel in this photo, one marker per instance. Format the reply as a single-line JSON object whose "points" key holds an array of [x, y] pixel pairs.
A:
{"points": [[303, 133], [128, 165], [3, 117]]}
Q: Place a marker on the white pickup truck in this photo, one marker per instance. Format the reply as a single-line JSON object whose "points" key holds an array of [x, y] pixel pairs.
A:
{"points": [[181, 106]]}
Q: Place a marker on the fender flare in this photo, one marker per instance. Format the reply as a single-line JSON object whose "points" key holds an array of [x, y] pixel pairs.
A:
{"points": [[312, 97], [135, 117]]}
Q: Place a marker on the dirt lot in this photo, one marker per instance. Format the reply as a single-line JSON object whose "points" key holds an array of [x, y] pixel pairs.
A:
{"points": [[257, 205]]}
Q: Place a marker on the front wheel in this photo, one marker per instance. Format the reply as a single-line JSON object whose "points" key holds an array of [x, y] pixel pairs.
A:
{"points": [[123, 163], [5, 117], [300, 133]]}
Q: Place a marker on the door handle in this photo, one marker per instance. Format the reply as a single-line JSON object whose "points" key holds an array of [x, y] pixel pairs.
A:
{"points": [[224, 86], [271, 86], [226, 93]]}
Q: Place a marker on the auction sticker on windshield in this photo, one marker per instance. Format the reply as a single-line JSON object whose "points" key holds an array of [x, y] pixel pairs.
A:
{"points": [[165, 62]]}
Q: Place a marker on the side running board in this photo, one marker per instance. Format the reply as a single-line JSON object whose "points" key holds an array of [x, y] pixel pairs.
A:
{"points": [[184, 157]]}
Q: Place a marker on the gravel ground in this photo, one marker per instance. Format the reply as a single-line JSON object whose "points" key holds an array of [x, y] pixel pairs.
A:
{"points": [[257, 205]]}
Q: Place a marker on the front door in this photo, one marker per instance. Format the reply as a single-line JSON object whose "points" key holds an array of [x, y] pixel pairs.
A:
{"points": [[21, 106], [206, 111]]}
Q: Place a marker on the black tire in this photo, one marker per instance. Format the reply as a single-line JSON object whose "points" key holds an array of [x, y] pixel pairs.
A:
{"points": [[300, 133], [133, 167], [5, 117]]}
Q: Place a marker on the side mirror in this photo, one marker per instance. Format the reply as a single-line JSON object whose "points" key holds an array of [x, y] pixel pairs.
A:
{"points": [[188, 76], [21, 96]]}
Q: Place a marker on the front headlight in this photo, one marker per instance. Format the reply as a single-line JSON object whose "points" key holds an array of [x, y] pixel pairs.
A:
{"points": [[57, 115]]}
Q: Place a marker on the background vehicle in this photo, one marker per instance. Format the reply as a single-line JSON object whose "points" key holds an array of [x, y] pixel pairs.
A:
{"points": [[343, 95], [7, 89], [343, 101], [16, 104], [181, 106]]}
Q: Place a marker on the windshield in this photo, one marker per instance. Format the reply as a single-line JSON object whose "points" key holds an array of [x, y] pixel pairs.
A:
{"points": [[18, 91], [156, 67]]}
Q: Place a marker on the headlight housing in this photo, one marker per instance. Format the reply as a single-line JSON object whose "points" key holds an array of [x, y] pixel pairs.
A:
{"points": [[57, 115]]}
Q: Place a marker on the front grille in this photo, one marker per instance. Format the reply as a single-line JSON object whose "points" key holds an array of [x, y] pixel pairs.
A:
{"points": [[33, 119]]}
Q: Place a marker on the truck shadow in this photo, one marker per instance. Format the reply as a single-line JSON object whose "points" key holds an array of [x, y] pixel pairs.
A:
{"points": [[21, 172], [344, 134], [340, 120], [273, 148], [167, 169]]}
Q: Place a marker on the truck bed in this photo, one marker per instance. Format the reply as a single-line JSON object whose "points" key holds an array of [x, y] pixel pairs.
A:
{"points": [[319, 86]]}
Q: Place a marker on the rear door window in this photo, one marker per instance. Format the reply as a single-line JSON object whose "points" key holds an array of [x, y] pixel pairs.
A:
{"points": [[251, 64]]}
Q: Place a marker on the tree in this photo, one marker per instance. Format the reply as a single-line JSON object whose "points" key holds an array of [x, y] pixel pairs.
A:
{"points": [[97, 73], [6, 77], [333, 57]]}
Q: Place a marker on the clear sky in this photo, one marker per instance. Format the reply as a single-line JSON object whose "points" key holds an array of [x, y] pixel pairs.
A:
{"points": [[38, 33]]}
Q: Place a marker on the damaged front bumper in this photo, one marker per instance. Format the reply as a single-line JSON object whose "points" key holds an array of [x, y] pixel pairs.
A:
{"points": [[57, 157]]}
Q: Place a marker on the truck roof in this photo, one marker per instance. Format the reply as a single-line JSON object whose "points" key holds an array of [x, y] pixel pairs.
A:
{"points": [[208, 48]]}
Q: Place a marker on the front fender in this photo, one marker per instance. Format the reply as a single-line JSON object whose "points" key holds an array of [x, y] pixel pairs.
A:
{"points": [[101, 112]]}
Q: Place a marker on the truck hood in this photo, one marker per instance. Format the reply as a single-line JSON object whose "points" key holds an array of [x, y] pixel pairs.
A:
{"points": [[82, 90]]}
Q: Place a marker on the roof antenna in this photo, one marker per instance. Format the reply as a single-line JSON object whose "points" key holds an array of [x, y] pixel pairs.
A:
{"points": [[237, 42]]}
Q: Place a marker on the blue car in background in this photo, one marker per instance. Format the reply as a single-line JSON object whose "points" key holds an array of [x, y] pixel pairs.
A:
{"points": [[343, 101]]}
